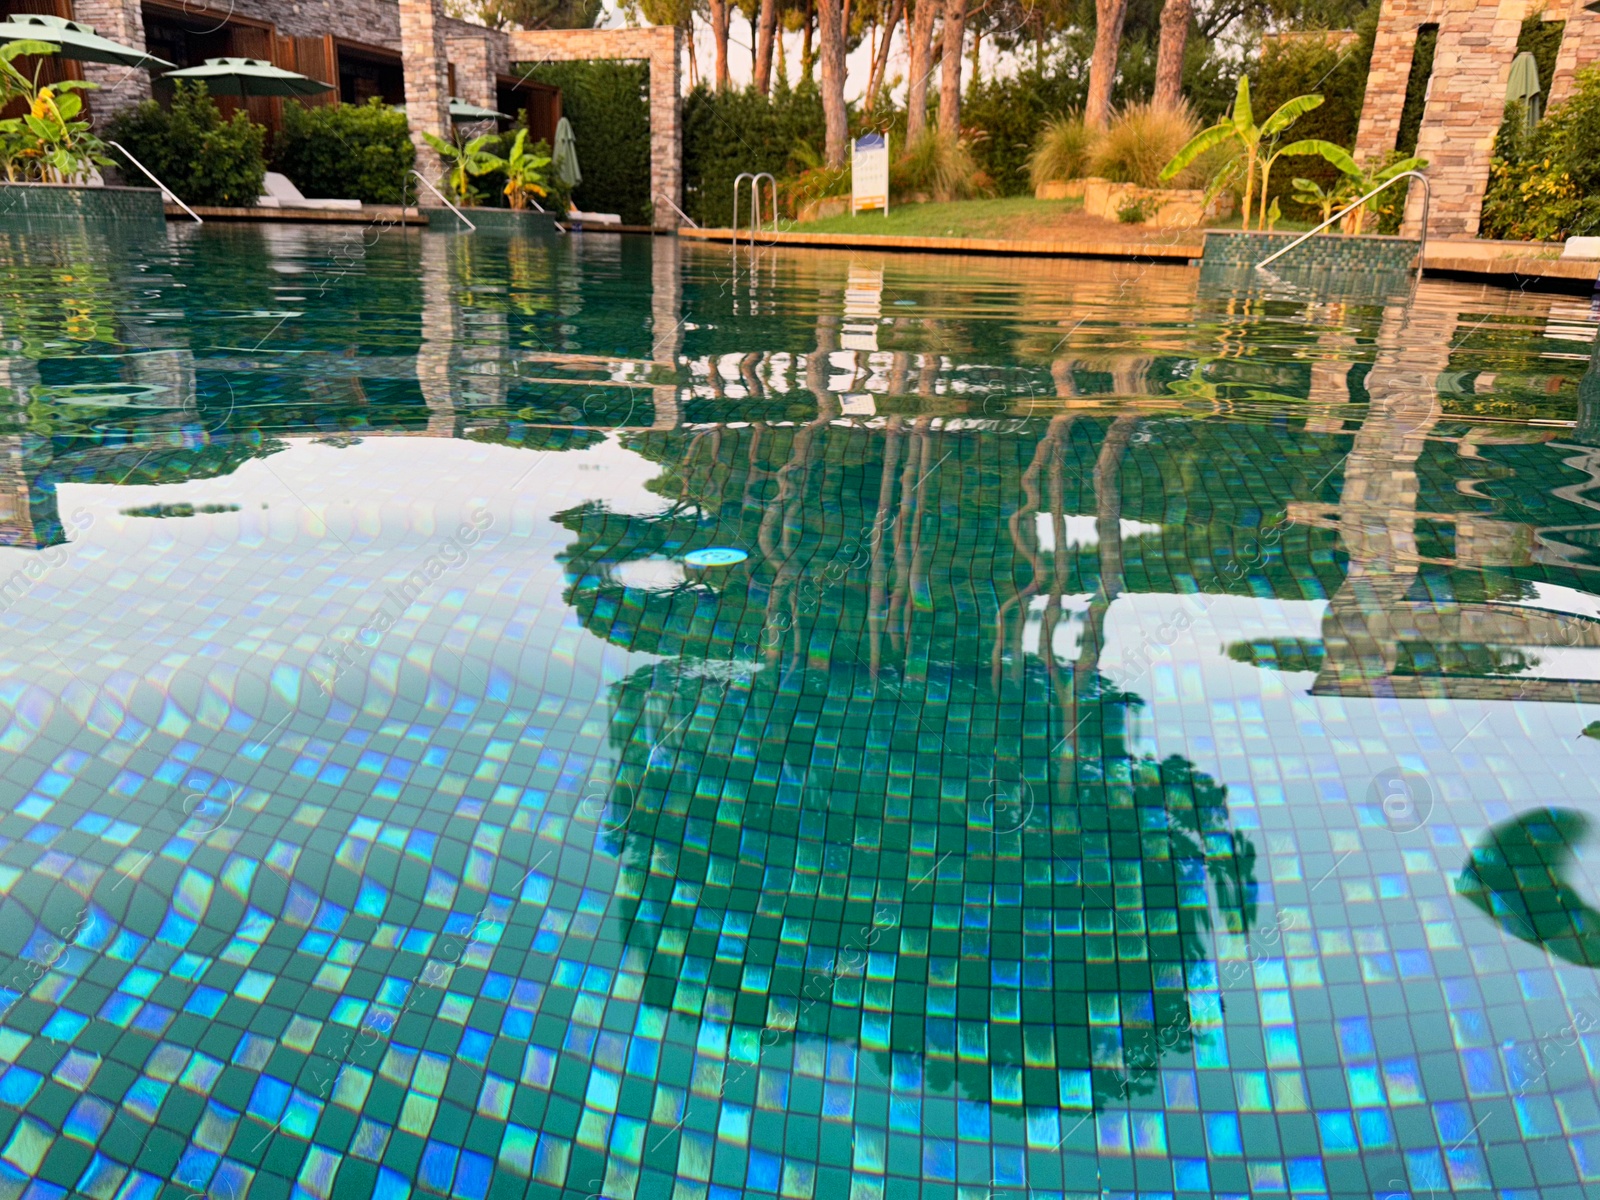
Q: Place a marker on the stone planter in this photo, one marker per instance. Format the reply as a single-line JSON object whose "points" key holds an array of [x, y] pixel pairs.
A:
{"points": [[1166, 208], [821, 210], [52, 201], [1060, 189], [494, 220]]}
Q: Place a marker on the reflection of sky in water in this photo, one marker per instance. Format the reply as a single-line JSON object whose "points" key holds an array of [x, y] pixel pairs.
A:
{"points": [[976, 854]]}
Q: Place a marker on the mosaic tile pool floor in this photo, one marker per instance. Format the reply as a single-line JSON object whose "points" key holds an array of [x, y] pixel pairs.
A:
{"points": [[1147, 749]]}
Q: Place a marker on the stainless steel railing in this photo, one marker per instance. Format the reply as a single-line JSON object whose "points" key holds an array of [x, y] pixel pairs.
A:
{"points": [[1427, 200]]}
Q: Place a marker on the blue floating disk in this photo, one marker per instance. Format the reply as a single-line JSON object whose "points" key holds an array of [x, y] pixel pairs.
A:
{"points": [[714, 556]]}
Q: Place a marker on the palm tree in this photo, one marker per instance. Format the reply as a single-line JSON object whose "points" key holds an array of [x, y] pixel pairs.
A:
{"points": [[1241, 127]]}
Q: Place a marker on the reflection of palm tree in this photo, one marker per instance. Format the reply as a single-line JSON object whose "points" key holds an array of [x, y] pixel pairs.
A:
{"points": [[726, 756]]}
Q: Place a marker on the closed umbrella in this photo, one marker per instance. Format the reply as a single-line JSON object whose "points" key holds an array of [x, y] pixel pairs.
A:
{"points": [[564, 155], [247, 77], [76, 41], [1523, 87]]}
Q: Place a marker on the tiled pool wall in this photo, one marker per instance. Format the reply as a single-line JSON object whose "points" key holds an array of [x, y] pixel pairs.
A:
{"points": [[46, 200], [1336, 251]]}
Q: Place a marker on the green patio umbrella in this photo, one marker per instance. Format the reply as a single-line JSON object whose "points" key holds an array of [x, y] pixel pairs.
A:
{"points": [[1523, 87], [250, 77], [463, 110], [75, 40], [564, 156]]}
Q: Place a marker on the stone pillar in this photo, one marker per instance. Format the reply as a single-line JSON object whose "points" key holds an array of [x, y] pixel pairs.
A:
{"points": [[475, 82], [666, 136], [1580, 48], [119, 87], [1387, 78], [1466, 103], [427, 70]]}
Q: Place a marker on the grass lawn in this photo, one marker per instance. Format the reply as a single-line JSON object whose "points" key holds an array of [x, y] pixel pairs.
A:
{"points": [[1020, 217], [1009, 217]]}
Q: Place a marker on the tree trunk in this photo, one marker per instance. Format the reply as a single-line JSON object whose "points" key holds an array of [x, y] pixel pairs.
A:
{"points": [[1175, 17], [920, 53], [830, 38], [721, 15], [955, 32], [1109, 16], [808, 58], [880, 65], [766, 30]]}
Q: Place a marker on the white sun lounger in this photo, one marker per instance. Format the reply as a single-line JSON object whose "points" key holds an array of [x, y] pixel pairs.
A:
{"points": [[282, 193]]}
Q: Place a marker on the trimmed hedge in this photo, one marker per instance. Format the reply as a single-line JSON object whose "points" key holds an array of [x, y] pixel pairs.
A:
{"points": [[726, 133], [346, 151], [608, 104], [201, 157]]}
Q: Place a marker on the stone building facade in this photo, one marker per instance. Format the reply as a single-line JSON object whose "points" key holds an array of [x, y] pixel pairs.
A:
{"points": [[438, 56], [1465, 97]]}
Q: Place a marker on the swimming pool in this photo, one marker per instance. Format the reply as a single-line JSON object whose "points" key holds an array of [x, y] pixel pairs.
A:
{"points": [[1135, 742]]}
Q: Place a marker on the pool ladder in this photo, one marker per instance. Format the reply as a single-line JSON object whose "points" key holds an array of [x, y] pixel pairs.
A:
{"points": [[1422, 244], [755, 178]]}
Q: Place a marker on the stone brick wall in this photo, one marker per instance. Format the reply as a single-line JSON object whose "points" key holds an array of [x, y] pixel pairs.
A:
{"points": [[1466, 103], [661, 47], [1580, 48], [120, 87], [1387, 77], [422, 49]]}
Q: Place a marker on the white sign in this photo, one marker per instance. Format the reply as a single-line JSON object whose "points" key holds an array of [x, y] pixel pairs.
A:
{"points": [[869, 173]]}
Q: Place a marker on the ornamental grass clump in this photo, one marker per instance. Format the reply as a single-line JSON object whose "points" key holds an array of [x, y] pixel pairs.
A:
{"points": [[1061, 153], [1140, 140]]}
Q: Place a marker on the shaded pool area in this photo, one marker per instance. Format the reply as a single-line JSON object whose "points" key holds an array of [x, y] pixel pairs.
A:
{"points": [[1144, 742]]}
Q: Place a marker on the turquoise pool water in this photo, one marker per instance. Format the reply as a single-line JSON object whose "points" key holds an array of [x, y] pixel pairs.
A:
{"points": [[1137, 745]]}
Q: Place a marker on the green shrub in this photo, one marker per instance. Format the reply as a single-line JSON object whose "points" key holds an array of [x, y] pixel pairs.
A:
{"points": [[1133, 212], [1545, 186], [1061, 153], [1140, 140], [608, 104], [1004, 118], [726, 133], [201, 157], [349, 151]]}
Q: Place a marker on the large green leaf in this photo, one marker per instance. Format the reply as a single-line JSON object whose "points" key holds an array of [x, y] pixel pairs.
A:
{"points": [[1198, 145], [1398, 168], [1243, 115], [13, 50], [1338, 156], [1289, 112]]}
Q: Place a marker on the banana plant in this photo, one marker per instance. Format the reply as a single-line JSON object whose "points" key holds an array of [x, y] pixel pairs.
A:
{"points": [[61, 143], [466, 162], [1361, 180], [524, 170], [1309, 192], [1240, 127]]}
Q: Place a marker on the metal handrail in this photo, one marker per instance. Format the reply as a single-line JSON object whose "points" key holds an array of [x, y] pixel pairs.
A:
{"points": [[755, 178], [1422, 243], [165, 190], [693, 224], [445, 199]]}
